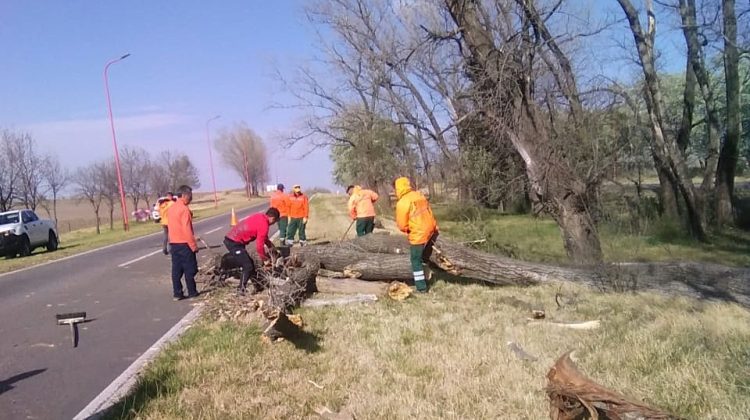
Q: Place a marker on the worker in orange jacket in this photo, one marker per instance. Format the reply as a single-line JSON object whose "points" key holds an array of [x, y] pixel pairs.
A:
{"points": [[164, 204], [414, 217], [361, 208], [281, 202], [182, 244], [299, 210]]}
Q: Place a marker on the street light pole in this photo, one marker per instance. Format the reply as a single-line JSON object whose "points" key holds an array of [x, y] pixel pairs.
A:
{"points": [[211, 161], [114, 141]]}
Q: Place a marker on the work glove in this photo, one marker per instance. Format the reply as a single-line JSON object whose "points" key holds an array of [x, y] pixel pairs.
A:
{"points": [[304, 221]]}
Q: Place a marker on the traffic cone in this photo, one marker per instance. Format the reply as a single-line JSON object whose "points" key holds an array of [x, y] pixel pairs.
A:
{"points": [[233, 221]]}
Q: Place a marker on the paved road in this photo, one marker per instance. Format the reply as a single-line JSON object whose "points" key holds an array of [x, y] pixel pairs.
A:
{"points": [[126, 291]]}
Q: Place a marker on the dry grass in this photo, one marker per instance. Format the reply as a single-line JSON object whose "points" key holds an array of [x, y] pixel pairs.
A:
{"points": [[444, 355], [85, 239]]}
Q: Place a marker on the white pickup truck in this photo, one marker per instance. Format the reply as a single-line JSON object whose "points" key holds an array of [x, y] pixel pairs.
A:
{"points": [[21, 231]]}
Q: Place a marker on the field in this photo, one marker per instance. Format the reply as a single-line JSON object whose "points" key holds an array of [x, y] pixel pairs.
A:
{"points": [[83, 237], [445, 354]]}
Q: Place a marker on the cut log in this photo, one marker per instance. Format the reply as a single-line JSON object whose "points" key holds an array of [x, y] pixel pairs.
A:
{"points": [[348, 300], [697, 280], [362, 265], [573, 396], [349, 286], [280, 327]]}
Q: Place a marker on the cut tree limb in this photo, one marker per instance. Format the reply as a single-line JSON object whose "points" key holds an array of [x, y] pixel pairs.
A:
{"points": [[572, 396]]}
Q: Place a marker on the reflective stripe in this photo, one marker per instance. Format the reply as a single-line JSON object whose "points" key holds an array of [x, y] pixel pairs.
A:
{"points": [[416, 273]]}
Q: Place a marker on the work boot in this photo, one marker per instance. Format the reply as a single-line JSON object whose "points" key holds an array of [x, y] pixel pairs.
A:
{"points": [[421, 286]]}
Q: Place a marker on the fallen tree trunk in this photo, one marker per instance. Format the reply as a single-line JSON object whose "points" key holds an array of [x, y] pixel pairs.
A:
{"points": [[356, 264], [375, 255]]}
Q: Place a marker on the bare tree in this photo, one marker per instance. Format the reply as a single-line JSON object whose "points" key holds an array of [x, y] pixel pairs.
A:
{"points": [[506, 58], [9, 177], [180, 169], [86, 180], [56, 177], [667, 155], [30, 166], [729, 150], [158, 179], [106, 177], [243, 151], [135, 173]]}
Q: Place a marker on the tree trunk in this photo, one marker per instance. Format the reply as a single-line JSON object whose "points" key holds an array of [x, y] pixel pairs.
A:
{"points": [[729, 151], [697, 280], [666, 150], [505, 93], [579, 234], [668, 194]]}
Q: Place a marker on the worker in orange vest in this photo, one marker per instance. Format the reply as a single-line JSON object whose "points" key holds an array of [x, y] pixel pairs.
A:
{"points": [[414, 217], [280, 202], [361, 208], [164, 204], [299, 210]]}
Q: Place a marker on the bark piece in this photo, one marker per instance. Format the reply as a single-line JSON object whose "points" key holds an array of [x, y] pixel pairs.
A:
{"points": [[573, 396]]}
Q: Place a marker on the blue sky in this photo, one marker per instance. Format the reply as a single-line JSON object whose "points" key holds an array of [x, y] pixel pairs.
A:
{"points": [[190, 60]]}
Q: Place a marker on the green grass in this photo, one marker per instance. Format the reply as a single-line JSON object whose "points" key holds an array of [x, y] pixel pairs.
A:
{"points": [[82, 240], [538, 239], [444, 355]]}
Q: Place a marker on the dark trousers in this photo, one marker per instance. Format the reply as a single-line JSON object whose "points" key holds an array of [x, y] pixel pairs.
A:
{"points": [[242, 258], [183, 263], [296, 225], [420, 254], [283, 222], [365, 225], [165, 243]]}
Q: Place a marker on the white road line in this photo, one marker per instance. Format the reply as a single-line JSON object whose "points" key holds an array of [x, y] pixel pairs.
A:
{"points": [[214, 230], [122, 385], [140, 258]]}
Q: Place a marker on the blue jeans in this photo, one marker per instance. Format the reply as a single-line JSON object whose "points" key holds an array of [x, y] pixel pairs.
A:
{"points": [[183, 262]]}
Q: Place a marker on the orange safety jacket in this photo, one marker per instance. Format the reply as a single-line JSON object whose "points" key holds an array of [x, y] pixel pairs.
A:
{"points": [[280, 202], [299, 207], [181, 225], [361, 203], [413, 213]]}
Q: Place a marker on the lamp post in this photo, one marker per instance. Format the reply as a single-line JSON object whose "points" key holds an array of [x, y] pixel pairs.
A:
{"points": [[211, 161], [114, 141]]}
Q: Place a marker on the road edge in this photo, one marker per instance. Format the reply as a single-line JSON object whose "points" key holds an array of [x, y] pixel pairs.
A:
{"points": [[123, 384]]}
